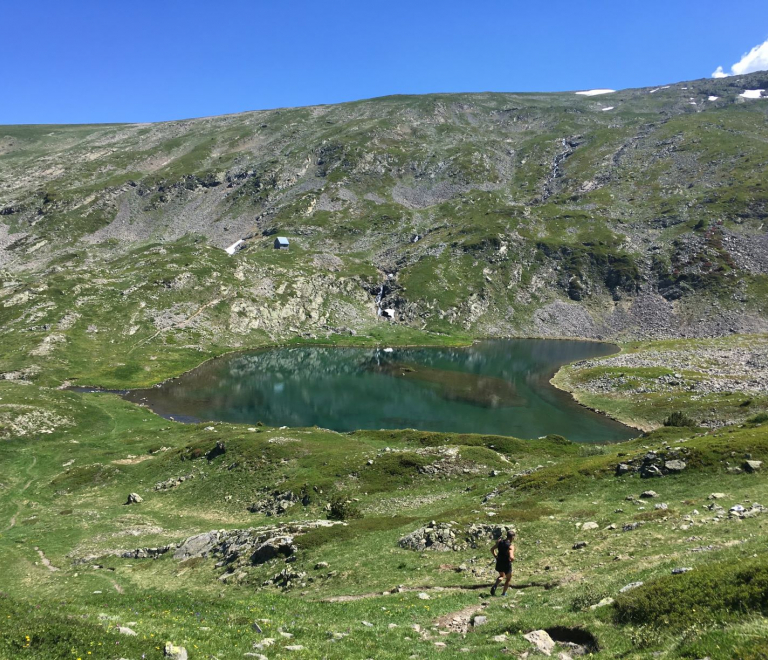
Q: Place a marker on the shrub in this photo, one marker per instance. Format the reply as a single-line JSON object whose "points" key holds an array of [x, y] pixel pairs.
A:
{"points": [[679, 419], [716, 591], [760, 418], [343, 509], [589, 595]]}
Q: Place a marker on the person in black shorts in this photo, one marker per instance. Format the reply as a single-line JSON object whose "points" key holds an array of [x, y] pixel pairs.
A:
{"points": [[504, 553]]}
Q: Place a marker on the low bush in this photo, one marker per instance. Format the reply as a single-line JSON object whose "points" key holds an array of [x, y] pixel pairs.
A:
{"points": [[760, 418], [679, 420], [721, 590], [342, 508]]}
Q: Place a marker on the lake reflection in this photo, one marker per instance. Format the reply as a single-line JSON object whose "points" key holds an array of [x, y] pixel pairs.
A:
{"points": [[499, 387]]}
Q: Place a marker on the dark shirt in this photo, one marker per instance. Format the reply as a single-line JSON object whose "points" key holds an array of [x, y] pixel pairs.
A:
{"points": [[503, 552]]}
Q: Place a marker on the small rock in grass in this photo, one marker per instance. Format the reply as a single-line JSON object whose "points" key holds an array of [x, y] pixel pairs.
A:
{"points": [[541, 640], [716, 496], [440, 645], [294, 647], [589, 525], [752, 466], [321, 564], [675, 465], [392, 626], [134, 498], [579, 545], [499, 638], [479, 621], [367, 624], [423, 596], [630, 586], [264, 643], [649, 494], [679, 571], [287, 635], [175, 652], [125, 630], [603, 603], [661, 507]]}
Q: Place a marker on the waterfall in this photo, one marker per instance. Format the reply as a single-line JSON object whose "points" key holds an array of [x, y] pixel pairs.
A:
{"points": [[379, 297]]}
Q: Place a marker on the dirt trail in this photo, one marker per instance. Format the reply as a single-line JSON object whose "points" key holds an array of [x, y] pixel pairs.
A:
{"points": [[451, 587], [46, 562], [12, 522]]}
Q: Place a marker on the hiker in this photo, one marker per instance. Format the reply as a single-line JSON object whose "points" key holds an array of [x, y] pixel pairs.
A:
{"points": [[504, 554]]}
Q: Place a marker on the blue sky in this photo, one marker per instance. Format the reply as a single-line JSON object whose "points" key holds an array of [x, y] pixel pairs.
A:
{"points": [[87, 61]]}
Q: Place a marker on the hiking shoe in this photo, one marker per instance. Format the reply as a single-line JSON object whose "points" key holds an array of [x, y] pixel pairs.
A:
{"points": [[493, 590]]}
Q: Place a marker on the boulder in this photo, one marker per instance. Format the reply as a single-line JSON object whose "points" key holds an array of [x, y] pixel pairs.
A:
{"points": [[134, 498], [674, 465], [649, 494], [752, 466], [589, 525], [479, 621], [541, 640]]}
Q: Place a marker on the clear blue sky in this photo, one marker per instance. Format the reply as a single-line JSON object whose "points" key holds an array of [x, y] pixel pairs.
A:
{"points": [[81, 61]]}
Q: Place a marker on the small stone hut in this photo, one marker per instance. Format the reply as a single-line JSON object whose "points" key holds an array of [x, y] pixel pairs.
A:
{"points": [[281, 243]]}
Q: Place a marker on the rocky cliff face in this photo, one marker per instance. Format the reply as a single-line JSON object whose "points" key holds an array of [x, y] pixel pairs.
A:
{"points": [[631, 214]]}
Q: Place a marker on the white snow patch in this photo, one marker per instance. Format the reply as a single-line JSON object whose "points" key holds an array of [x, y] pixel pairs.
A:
{"points": [[610, 107], [231, 249], [713, 98], [595, 92], [752, 94], [658, 88]]}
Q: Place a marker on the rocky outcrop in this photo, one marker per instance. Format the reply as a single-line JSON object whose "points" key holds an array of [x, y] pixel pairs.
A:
{"points": [[276, 504], [247, 546], [445, 537]]}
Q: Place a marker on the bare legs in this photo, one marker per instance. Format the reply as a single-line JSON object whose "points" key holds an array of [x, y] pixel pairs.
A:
{"points": [[507, 577]]}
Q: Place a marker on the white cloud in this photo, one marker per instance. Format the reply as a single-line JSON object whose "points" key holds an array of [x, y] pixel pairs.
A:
{"points": [[755, 60]]}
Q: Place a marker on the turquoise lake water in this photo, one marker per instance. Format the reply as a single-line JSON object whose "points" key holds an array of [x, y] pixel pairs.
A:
{"points": [[492, 387]]}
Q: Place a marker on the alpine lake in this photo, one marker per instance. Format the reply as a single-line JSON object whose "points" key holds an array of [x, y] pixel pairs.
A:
{"points": [[498, 387]]}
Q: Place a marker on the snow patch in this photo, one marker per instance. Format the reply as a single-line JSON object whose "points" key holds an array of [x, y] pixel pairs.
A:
{"points": [[595, 92], [231, 249], [752, 94], [610, 107], [713, 98]]}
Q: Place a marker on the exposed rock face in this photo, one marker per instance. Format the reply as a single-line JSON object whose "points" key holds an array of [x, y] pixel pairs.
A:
{"points": [[444, 537], [240, 546], [654, 464], [276, 504]]}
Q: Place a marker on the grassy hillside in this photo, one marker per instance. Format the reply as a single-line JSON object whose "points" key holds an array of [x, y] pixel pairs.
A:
{"points": [[66, 591], [482, 214]]}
